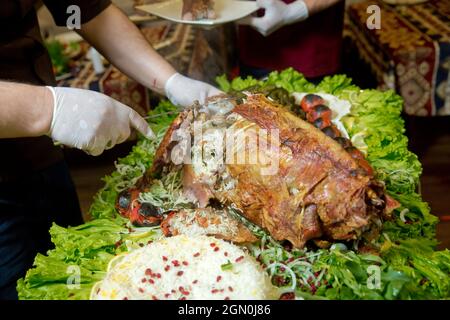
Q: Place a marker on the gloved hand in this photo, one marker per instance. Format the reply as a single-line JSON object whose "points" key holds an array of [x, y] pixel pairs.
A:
{"points": [[277, 14], [182, 91], [92, 121]]}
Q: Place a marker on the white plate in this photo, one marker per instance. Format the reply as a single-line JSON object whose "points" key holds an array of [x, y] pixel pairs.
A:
{"points": [[226, 11]]}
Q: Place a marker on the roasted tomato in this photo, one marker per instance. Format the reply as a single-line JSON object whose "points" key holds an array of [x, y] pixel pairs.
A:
{"points": [[299, 113], [355, 153], [319, 111], [146, 214], [139, 214], [311, 100], [125, 200], [359, 157], [344, 142], [332, 131], [322, 123]]}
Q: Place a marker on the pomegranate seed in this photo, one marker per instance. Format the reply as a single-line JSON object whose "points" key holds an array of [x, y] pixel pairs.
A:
{"points": [[180, 273], [148, 271], [141, 290], [230, 288], [225, 254], [197, 254], [185, 263], [176, 263], [164, 258], [166, 268], [216, 249], [287, 296], [167, 295], [212, 244], [227, 298], [195, 281], [218, 278], [151, 281], [143, 280], [240, 259]]}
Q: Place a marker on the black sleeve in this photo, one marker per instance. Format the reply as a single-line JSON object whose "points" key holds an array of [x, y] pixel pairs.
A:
{"points": [[89, 9]]}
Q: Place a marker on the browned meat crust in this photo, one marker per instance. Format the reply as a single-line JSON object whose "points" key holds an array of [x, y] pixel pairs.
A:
{"points": [[318, 193]]}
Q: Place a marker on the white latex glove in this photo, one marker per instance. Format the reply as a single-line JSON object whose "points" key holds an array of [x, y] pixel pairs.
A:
{"points": [[92, 121], [277, 14], [183, 91]]}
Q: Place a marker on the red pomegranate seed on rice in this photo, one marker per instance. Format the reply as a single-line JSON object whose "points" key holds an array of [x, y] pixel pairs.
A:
{"points": [[197, 254], [167, 295], [167, 268], [227, 298], [195, 281], [225, 254], [180, 273], [212, 244], [230, 289], [176, 263], [218, 278], [185, 263], [240, 259], [164, 258], [148, 272], [143, 280], [141, 290], [151, 281], [216, 249]]}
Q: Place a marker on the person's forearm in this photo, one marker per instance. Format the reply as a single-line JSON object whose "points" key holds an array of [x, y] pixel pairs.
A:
{"points": [[25, 110], [315, 6], [121, 42]]}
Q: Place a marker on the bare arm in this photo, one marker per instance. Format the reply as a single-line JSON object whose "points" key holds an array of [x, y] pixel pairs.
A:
{"points": [[121, 42], [25, 111], [315, 6]]}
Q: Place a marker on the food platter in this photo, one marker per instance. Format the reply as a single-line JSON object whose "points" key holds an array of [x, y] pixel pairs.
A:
{"points": [[403, 252], [226, 11]]}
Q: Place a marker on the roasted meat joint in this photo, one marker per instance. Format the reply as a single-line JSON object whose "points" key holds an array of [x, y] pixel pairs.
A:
{"points": [[276, 170]]}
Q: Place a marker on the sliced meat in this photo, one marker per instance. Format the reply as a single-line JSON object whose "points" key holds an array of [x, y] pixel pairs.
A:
{"points": [[208, 221]]}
